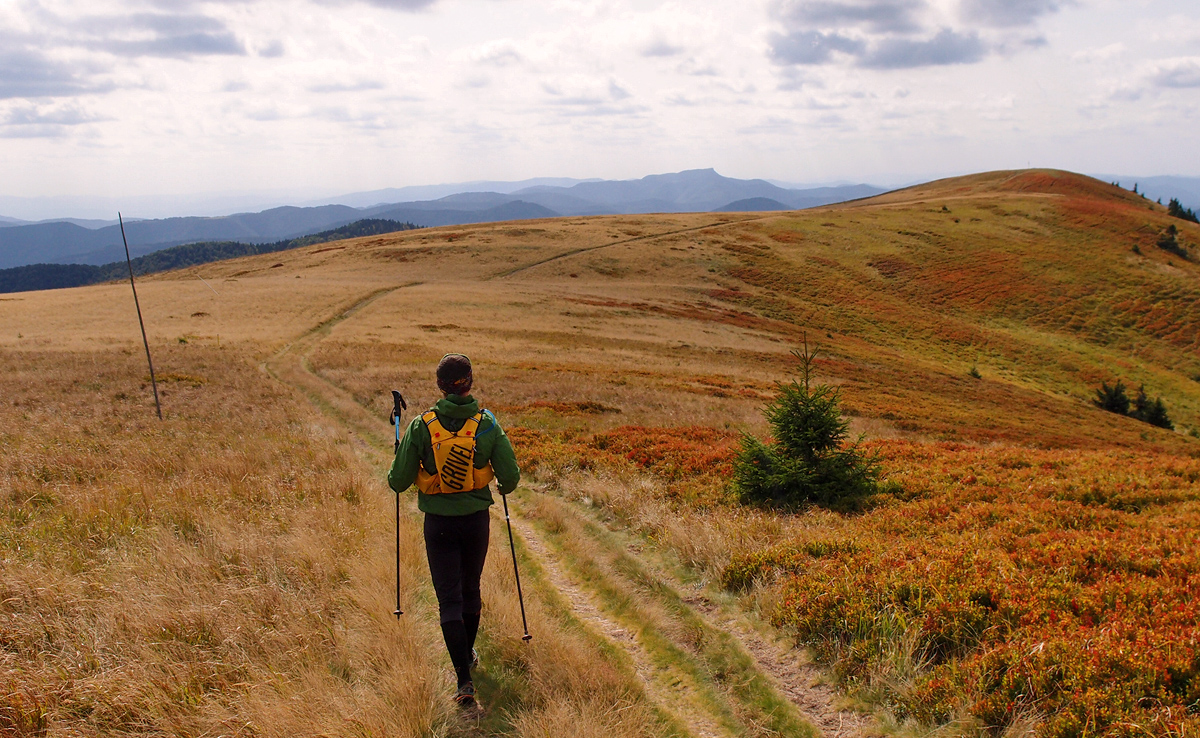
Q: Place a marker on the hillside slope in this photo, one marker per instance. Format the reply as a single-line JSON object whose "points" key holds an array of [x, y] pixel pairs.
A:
{"points": [[1030, 277]]}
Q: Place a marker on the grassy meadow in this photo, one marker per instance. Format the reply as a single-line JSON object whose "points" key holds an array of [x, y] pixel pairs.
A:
{"points": [[229, 571]]}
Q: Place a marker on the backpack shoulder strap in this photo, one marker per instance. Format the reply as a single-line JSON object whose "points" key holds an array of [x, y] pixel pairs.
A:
{"points": [[436, 430], [487, 415]]}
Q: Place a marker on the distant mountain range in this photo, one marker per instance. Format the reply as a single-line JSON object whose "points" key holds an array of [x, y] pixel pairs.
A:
{"points": [[57, 276], [74, 241], [434, 192]]}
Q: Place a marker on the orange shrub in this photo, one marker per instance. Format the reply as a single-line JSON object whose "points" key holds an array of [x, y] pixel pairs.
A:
{"points": [[1059, 583]]}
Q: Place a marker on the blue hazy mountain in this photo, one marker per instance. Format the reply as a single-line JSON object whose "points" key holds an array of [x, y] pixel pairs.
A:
{"points": [[64, 242], [696, 190], [417, 193], [69, 241]]}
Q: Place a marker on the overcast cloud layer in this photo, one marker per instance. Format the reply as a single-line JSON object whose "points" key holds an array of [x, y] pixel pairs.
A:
{"points": [[126, 98]]}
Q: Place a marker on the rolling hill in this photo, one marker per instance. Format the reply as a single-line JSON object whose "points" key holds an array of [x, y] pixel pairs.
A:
{"points": [[1033, 567], [752, 205]]}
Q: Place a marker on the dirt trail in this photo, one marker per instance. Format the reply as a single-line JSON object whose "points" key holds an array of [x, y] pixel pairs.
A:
{"points": [[584, 606], [685, 701], [782, 665], [787, 668]]}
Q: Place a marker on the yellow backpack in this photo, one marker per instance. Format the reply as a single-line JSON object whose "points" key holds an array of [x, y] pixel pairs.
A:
{"points": [[454, 457]]}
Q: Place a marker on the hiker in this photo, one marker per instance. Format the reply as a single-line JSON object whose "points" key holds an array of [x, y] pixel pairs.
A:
{"points": [[452, 452]]}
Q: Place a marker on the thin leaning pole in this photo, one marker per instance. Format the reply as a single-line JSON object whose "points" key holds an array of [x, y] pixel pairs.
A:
{"points": [[145, 341], [516, 574], [398, 407]]}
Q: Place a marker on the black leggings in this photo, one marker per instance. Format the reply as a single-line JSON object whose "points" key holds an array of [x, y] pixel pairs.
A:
{"points": [[457, 546]]}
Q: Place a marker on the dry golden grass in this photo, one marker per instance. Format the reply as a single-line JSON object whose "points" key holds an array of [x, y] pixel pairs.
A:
{"points": [[202, 575]]}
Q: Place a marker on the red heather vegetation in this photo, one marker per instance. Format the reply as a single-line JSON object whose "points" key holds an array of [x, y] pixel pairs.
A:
{"points": [[1003, 583], [682, 454], [1059, 583]]}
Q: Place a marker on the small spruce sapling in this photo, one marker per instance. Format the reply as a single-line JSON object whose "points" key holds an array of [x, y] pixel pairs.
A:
{"points": [[1168, 242], [809, 458]]}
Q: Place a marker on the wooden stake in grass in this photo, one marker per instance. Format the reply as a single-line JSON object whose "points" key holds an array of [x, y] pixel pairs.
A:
{"points": [[145, 341], [218, 308]]}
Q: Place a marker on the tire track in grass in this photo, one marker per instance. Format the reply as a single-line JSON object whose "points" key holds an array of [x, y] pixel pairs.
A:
{"points": [[795, 679], [782, 664], [710, 663], [670, 698]]}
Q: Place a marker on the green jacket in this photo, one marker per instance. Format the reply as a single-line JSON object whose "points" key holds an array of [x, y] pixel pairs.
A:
{"points": [[491, 446]]}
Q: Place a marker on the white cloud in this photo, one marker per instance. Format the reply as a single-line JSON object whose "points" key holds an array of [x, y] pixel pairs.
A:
{"points": [[1008, 13], [1176, 73], [346, 85], [902, 34], [944, 47], [500, 53], [31, 74], [1101, 54], [352, 94], [68, 114], [402, 5], [657, 44]]}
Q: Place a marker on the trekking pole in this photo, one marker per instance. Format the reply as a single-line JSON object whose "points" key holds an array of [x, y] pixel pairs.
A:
{"points": [[517, 574], [398, 406]]}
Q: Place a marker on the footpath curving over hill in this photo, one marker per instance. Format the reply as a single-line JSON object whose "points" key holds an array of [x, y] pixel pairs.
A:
{"points": [[1035, 573]]}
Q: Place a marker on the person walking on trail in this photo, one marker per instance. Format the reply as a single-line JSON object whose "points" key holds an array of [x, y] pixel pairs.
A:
{"points": [[452, 453]]}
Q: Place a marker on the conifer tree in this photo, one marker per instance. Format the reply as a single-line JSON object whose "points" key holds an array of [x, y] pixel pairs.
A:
{"points": [[810, 457], [1112, 399], [1150, 411], [1176, 209]]}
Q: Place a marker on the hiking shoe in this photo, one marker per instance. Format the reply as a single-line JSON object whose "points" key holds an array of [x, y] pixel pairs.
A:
{"points": [[474, 659], [465, 696]]}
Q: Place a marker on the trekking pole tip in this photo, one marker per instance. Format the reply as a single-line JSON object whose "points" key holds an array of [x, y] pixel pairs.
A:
{"points": [[398, 613], [527, 638]]}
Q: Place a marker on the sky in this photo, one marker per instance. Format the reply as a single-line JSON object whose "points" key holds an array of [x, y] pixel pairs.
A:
{"points": [[305, 98]]}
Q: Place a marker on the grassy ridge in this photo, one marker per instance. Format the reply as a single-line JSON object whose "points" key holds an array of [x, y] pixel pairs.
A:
{"points": [[58, 276]]}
